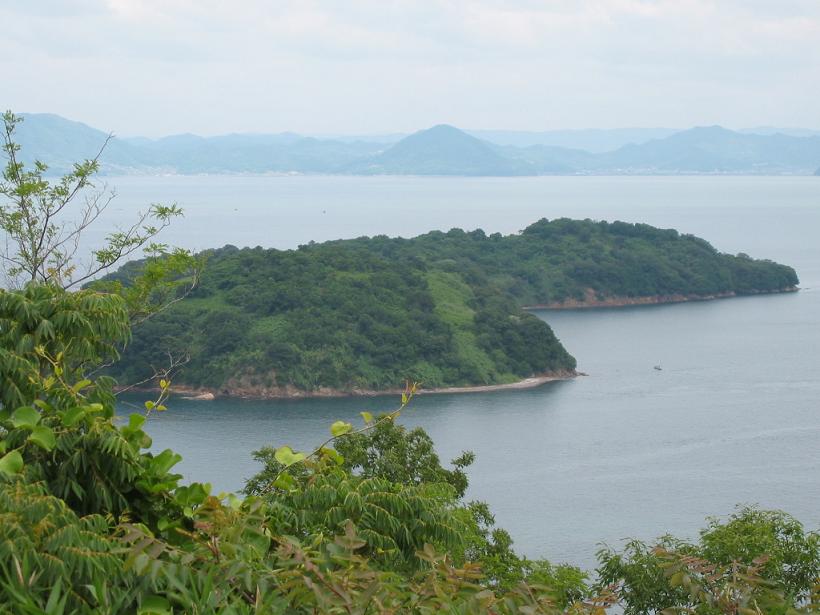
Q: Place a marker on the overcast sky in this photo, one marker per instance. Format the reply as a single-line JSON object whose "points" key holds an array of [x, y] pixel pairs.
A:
{"points": [[156, 67]]}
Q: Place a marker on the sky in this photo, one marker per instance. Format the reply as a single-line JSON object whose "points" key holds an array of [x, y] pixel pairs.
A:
{"points": [[158, 67]]}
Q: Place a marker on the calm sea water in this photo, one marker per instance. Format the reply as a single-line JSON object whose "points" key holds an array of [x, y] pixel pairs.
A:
{"points": [[628, 451]]}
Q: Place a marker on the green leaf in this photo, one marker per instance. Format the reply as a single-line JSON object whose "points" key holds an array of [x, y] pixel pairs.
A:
{"points": [[333, 455], [25, 417], [11, 463], [72, 416], [154, 605], [676, 580], [340, 428], [285, 482], [164, 461], [257, 541], [136, 421], [56, 599], [287, 457], [193, 494], [43, 437], [80, 385], [368, 418], [149, 405]]}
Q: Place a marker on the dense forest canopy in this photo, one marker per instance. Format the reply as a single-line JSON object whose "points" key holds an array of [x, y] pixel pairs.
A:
{"points": [[441, 308]]}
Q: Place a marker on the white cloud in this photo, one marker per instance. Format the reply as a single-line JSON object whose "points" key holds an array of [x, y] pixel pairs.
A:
{"points": [[208, 66]]}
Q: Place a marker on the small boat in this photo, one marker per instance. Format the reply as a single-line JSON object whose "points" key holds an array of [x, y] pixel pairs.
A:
{"points": [[658, 367]]}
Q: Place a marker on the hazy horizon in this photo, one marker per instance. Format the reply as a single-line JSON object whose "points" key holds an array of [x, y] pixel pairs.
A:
{"points": [[387, 136], [154, 67]]}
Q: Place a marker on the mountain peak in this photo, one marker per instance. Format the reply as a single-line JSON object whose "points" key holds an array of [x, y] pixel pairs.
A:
{"points": [[444, 128], [442, 150], [444, 132]]}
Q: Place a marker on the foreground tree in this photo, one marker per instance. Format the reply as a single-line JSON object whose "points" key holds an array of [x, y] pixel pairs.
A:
{"points": [[44, 222], [755, 561]]}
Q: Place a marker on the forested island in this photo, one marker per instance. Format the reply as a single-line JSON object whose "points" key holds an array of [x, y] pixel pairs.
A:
{"points": [[445, 309]]}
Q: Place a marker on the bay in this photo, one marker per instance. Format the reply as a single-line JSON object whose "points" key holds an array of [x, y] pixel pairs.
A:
{"points": [[627, 451]]}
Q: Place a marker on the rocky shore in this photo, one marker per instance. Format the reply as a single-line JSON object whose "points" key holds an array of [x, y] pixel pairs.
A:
{"points": [[592, 300]]}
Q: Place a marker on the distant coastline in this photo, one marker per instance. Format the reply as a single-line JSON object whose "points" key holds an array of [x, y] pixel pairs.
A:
{"points": [[591, 301]]}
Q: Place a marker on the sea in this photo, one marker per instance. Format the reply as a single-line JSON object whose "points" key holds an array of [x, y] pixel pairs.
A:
{"points": [[731, 418]]}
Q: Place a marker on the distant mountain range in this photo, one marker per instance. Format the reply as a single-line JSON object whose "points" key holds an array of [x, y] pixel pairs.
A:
{"points": [[440, 150]]}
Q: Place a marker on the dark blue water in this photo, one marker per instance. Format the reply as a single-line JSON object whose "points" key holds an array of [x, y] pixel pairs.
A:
{"points": [[732, 418]]}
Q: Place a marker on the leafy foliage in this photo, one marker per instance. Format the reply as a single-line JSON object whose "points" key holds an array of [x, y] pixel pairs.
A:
{"points": [[792, 555], [53, 561], [396, 521], [392, 452], [754, 560], [41, 322]]}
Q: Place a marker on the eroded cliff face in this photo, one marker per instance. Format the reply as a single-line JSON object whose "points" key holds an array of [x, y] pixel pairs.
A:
{"points": [[592, 300]]}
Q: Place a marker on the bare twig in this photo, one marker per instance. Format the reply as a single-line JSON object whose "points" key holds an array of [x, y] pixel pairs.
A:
{"points": [[166, 373]]}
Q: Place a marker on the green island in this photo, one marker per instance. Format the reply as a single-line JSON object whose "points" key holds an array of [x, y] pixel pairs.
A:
{"points": [[444, 308]]}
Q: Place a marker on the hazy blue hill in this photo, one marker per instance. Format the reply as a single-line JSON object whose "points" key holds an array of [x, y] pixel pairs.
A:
{"points": [[594, 140], [254, 153], [259, 154], [442, 150], [60, 142], [714, 149]]}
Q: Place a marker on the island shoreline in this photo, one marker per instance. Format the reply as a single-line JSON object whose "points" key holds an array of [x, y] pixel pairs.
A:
{"points": [[591, 301], [209, 394]]}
